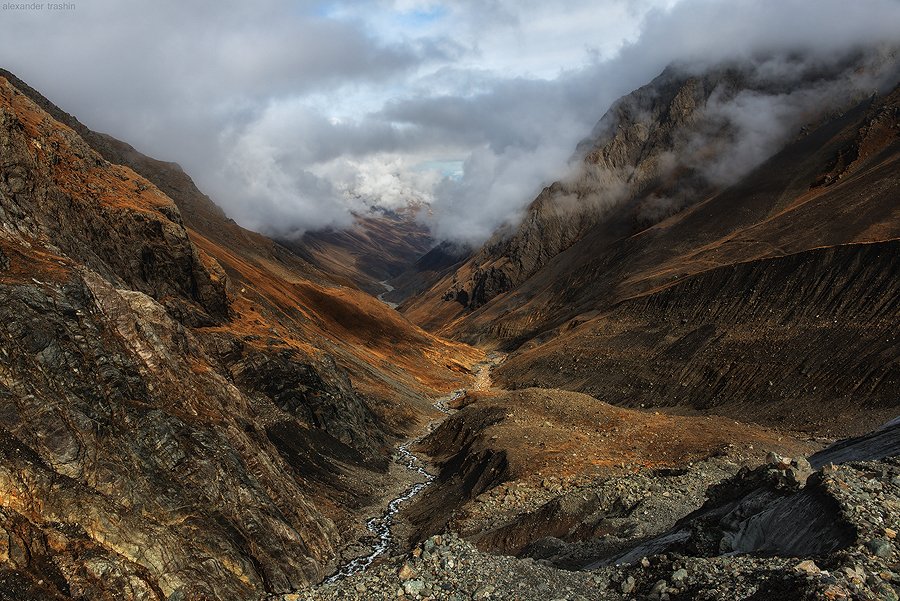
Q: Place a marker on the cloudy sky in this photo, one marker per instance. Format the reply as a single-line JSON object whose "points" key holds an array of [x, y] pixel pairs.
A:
{"points": [[292, 114]]}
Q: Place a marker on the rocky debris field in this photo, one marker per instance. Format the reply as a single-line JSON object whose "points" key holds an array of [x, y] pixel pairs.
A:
{"points": [[520, 466], [700, 557], [448, 567], [569, 522]]}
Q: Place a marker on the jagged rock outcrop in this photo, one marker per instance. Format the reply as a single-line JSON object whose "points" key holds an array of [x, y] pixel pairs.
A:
{"points": [[58, 191], [117, 435], [628, 156]]}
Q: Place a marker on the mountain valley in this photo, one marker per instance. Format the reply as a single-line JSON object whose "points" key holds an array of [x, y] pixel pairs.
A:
{"points": [[675, 378]]}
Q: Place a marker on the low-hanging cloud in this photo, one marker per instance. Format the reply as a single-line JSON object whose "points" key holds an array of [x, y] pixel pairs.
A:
{"points": [[748, 109], [294, 115]]}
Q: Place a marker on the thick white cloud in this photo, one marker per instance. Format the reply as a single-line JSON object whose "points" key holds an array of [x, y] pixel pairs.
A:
{"points": [[292, 114]]}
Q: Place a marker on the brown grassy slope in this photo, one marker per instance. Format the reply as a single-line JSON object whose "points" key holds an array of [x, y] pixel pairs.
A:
{"points": [[772, 300], [545, 432], [805, 341], [588, 320], [501, 444]]}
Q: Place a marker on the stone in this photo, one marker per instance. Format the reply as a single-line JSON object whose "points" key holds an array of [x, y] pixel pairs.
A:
{"points": [[406, 572], [885, 592], [834, 592], [802, 464], [890, 533], [413, 587], [784, 463], [659, 587], [880, 547], [808, 566], [4, 546], [627, 585], [679, 576]]}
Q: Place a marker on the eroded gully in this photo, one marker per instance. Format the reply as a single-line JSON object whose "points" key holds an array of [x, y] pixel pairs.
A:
{"points": [[381, 526]]}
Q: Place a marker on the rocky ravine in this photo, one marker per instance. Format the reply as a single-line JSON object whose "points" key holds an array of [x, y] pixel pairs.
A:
{"points": [[191, 412], [669, 516], [779, 531], [389, 528]]}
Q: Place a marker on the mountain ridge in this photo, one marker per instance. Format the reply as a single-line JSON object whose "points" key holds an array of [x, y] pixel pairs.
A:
{"points": [[831, 186]]}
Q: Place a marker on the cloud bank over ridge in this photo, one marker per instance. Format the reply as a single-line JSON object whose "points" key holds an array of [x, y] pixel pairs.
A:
{"points": [[293, 115]]}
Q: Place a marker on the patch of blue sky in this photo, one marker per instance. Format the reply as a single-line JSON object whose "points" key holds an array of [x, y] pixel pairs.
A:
{"points": [[419, 18], [327, 9], [452, 169], [410, 20]]}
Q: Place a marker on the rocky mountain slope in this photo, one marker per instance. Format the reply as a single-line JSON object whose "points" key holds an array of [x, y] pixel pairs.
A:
{"points": [[190, 411], [650, 278], [722, 526], [690, 133], [427, 270]]}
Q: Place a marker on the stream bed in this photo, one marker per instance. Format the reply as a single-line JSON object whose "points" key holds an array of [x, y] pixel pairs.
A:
{"points": [[381, 526]]}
